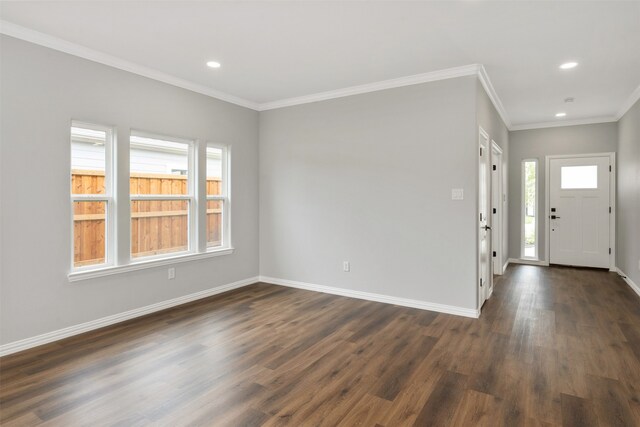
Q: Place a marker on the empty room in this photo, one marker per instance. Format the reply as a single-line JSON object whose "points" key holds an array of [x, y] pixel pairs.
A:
{"points": [[320, 213]]}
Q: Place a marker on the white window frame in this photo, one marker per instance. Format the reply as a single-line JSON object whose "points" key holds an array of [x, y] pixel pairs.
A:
{"points": [[190, 197], [523, 214], [108, 197], [224, 197], [196, 175]]}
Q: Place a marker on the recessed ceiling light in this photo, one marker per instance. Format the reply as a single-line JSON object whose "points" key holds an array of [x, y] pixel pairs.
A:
{"points": [[568, 65], [561, 114], [213, 64]]}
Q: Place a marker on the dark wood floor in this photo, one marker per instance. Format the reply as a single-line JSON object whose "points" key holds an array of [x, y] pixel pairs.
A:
{"points": [[554, 346]]}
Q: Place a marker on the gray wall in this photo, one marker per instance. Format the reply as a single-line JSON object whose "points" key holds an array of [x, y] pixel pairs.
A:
{"points": [[628, 201], [489, 119], [42, 90], [536, 144], [368, 179]]}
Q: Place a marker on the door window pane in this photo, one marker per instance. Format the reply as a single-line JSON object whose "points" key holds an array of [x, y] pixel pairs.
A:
{"points": [[89, 225], [579, 177], [159, 227]]}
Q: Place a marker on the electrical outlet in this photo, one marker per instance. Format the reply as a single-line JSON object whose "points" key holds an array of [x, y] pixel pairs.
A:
{"points": [[346, 266], [171, 273]]}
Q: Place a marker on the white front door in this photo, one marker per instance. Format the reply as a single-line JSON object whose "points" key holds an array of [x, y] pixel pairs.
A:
{"points": [[579, 211], [483, 224]]}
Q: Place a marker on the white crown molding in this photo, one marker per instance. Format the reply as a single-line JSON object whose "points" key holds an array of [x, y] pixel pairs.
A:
{"points": [[493, 95], [630, 102], [36, 37], [449, 73], [563, 123], [405, 302], [42, 39], [16, 346]]}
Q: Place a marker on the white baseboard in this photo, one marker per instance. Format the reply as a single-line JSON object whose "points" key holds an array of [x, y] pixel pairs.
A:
{"points": [[527, 262], [506, 264], [630, 282], [27, 343], [405, 302]]}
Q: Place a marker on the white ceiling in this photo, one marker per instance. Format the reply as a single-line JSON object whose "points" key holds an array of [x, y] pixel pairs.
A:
{"points": [[272, 51]]}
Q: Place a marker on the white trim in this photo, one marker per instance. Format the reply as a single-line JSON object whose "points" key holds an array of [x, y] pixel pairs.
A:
{"points": [[630, 102], [527, 261], [48, 337], [369, 296], [506, 264], [496, 219], [147, 263], [151, 197], [562, 123], [612, 201], [627, 279], [493, 95], [42, 39], [449, 73]]}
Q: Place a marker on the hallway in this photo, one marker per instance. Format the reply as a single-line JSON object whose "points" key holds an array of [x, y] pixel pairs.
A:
{"points": [[567, 346]]}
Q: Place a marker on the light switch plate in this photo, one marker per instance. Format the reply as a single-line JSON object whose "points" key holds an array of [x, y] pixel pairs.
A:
{"points": [[457, 194]]}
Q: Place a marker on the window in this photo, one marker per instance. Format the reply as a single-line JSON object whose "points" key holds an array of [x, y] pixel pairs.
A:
{"points": [[168, 197], [529, 206], [162, 195], [217, 201], [91, 196], [578, 177]]}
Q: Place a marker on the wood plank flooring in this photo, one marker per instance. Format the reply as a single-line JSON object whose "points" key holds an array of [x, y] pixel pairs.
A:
{"points": [[554, 346]]}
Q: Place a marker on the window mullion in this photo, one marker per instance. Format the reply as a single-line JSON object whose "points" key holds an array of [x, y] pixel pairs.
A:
{"points": [[200, 194], [153, 197]]}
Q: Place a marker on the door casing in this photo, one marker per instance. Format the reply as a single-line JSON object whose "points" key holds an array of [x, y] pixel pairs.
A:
{"points": [[497, 203], [612, 201], [484, 291]]}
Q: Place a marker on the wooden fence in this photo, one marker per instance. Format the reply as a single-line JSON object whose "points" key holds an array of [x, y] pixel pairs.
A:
{"points": [[157, 226]]}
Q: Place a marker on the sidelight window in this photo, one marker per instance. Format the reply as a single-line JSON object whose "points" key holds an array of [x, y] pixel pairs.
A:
{"points": [[529, 209]]}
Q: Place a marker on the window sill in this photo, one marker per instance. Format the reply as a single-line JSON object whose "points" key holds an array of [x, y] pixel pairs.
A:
{"points": [[143, 265]]}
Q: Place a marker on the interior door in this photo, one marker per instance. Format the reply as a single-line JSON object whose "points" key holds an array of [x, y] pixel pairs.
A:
{"points": [[483, 225], [579, 211]]}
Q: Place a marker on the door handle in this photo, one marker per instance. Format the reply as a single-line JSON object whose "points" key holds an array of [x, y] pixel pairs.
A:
{"points": [[555, 217], [486, 227]]}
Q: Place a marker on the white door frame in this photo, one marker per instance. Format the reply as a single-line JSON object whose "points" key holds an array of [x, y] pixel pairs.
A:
{"points": [[497, 218], [612, 202], [483, 136]]}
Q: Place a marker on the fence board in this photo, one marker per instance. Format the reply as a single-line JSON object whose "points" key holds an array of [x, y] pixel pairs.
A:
{"points": [[157, 226]]}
